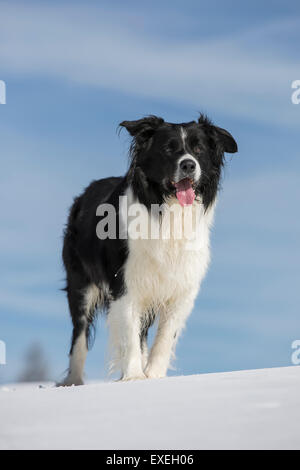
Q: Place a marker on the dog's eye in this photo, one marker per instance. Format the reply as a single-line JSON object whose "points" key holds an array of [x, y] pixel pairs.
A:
{"points": [[197, 149], [195, 145]]}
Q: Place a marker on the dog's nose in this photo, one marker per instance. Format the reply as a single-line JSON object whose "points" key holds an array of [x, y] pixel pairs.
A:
{"points": [[188, 166]]}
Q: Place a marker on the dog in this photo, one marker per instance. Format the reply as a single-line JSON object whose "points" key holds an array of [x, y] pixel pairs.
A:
{"points": [[138, 279]]}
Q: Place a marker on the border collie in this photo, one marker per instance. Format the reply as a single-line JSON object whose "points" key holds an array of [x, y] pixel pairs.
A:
{"points": [[138, 279]]}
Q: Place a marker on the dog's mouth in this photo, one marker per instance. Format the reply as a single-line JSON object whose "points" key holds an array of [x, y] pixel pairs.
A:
{"points": [[185, 191]]}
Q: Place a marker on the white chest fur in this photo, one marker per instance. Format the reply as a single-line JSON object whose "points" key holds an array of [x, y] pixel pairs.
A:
{"points": [[162, 269]]}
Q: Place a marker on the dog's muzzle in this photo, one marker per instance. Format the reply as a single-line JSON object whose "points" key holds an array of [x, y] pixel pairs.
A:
{"points": [[188, 167]]}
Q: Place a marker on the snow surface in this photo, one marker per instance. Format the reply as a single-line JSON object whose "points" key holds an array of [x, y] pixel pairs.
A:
{"points": [[258, 409]]}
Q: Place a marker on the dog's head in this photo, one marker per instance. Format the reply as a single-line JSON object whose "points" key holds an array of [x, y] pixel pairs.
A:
{"points": [[181, 159]]}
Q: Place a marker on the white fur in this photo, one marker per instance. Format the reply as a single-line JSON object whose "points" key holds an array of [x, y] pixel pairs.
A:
{"points": [[163, 275], [185, 156], [124, 323], [91, 297], [77, 360], [183, 134]]}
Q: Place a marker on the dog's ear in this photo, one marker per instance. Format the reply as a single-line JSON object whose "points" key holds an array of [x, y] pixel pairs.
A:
{"points": [[143, 127], [226, 140], [221, 137]]}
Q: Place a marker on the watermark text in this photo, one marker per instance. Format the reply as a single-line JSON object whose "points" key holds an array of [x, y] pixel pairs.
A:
{"points": [[2, 92], [295, 358], [296, 94], [160, 222], [2, 353]]}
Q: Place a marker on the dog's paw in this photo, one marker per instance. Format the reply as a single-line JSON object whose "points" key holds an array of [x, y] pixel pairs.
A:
{"points": [[70, 382], [128, 377], [154, 372]]}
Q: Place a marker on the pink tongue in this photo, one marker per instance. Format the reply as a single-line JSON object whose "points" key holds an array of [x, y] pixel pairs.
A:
{"points": [[184, 192]]}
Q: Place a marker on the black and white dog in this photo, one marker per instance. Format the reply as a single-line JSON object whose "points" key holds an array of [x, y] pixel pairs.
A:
{"points": [[137, 279]]}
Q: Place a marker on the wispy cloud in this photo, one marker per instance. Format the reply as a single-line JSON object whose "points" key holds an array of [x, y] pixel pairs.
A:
{"points": [[91, 46]]}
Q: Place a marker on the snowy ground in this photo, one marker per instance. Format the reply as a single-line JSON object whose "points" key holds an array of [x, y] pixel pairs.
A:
{"points": [[251, 409]]}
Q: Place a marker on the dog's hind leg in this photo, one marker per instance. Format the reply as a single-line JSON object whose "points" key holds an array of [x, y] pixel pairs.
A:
{"points": [[82, 303], [146, 323], [145, 352]]}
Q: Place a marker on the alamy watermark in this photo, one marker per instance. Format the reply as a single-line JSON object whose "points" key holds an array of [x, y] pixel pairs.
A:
{"points": [[295, 358], [296, 94], [2, 92], [159, 222], [2, 353]]}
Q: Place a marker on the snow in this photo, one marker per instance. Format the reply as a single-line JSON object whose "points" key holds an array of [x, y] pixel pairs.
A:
{"points": [[257, 409]]}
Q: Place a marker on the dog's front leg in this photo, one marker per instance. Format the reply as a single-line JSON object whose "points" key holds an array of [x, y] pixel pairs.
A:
{"points": [[169, 328], [124, 323]]}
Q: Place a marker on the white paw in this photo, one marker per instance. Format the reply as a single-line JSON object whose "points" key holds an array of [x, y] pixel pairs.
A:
{"points": [[154, 372], [127, 377]]}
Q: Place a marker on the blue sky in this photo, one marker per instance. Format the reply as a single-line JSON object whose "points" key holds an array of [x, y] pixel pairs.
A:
{"points": [[73, 71]]}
